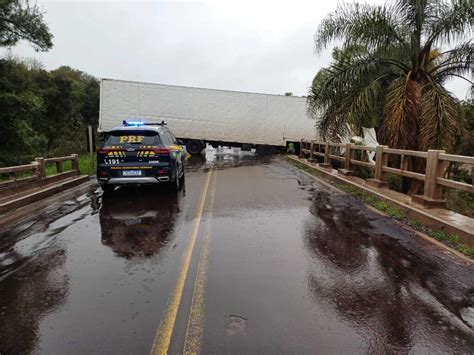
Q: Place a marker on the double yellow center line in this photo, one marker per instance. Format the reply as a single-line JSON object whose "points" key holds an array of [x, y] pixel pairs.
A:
{"points": [[164, 333]]}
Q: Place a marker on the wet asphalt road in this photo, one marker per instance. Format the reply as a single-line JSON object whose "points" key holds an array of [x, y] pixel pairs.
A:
{"points": [[252, 257]]}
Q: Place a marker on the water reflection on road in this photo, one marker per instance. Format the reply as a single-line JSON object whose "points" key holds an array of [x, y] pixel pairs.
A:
{"points": [[395, 295], [138, 221]]}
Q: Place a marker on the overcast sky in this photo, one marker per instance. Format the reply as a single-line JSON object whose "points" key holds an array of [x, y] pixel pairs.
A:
{"points": [[249, 46]]}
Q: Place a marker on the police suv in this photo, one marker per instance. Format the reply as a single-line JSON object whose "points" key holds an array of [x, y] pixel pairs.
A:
{"points": [[139, 153]]}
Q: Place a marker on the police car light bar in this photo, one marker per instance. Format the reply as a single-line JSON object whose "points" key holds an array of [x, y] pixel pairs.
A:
{"points": [[139, 123], [132, 123]]}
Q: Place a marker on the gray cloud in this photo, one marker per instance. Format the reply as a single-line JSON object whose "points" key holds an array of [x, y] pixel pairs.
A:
{"points": [[259, 47]]}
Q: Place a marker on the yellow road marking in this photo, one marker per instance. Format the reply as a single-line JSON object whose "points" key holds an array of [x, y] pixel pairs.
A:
{"points": [[165, 331], [194, 331]]}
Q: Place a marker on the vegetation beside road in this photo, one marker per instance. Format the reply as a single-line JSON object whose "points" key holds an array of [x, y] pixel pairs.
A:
{"points": [[390, 73], [43, 113], [87, 165]]}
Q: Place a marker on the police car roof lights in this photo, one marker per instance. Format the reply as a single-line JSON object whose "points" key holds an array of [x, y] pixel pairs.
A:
{"points": [[140, 123]]}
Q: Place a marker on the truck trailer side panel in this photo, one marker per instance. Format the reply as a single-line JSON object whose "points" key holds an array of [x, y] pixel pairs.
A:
{"points": [[207, 114]]}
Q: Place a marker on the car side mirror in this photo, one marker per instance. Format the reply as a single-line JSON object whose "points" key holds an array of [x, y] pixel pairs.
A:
{"points": [[180, 142]]}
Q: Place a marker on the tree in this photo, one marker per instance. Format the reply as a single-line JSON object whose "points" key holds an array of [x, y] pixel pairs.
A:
{"points": [[19, 20], [467, 145], [44, 113], [22, 105], [391, 65]]}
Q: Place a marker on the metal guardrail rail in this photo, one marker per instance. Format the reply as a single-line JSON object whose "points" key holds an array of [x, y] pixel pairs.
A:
{"points": [[435, 166]]}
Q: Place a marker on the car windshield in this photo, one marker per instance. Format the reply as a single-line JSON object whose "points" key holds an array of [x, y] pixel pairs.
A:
{"points": [[139, 137]]}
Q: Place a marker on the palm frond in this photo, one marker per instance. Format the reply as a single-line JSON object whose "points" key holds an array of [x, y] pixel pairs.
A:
{"points": [[449, 22], [361, 24], [401, 112], [389, 57], [348, 92], [333, 122], [441, 119], [457, 61]]}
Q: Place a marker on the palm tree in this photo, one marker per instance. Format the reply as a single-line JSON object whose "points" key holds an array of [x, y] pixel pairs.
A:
{"points": [[394, 69]]}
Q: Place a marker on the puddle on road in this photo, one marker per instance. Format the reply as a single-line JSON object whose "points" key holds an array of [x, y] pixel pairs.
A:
{"points": [[38, 265], [134, 224], [236, 325], [378, 278]]}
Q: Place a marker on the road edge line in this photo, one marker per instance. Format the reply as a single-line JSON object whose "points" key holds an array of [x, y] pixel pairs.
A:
{"points": [[195, 326], [164, 332]]}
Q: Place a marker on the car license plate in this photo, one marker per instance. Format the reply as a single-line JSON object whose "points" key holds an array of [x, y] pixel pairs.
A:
{"points": [[131, 172]]}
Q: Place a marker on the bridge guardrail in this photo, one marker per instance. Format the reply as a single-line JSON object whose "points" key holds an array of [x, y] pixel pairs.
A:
{"points": [[433, 177], [34, 174]]}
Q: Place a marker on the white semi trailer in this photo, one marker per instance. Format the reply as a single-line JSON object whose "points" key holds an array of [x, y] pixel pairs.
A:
{"points": [[198, 116]]}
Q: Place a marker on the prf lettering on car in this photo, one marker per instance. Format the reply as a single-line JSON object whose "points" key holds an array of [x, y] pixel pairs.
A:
{"points": [[132, 139]]}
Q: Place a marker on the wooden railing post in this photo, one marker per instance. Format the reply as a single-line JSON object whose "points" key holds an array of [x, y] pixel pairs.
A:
{"points": [[311, 155], [327, 161], [59, 167], [432, 191], [41, 170], [301, 155], [348, 156], [347, 162], [75, 163], [381, 160], [434, 170]]}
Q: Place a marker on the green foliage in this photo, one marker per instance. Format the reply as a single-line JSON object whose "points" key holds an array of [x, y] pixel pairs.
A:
{"points": [[389, 71], [461, 202], [395, 182], [363, 172], [388, 209], [290, 148], [20, 20], [444, 236], [414, 223], [466, 250], [87, 164], [44, 113], [467, 143]]}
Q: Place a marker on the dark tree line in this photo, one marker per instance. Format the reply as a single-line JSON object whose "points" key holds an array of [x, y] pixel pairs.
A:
{"points": [[43, 113]]}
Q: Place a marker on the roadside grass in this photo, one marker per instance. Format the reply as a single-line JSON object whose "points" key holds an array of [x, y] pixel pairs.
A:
{"points": [[87, 165], [451, 240]]}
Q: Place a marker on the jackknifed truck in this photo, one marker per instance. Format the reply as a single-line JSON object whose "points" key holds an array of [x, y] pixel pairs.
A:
{"points": [[201, 116]]}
